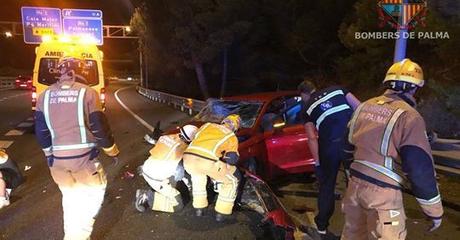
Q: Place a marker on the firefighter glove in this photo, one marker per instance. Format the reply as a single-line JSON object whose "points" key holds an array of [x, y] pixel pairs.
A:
{"points": [[231, 158], [112, 151]]}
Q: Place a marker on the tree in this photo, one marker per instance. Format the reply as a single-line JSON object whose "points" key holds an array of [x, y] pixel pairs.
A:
{"points": [[204, 28]]}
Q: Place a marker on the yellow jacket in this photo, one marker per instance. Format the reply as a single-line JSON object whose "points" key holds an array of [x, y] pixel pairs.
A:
{"points": [[168, 147], [212, 140]]}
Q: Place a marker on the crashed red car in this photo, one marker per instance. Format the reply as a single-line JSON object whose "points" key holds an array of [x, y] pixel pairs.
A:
{"points": [[272, 139], [272, 143]]}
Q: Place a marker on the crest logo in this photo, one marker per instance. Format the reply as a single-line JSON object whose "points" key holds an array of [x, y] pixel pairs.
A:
{"points": [[402, 15], [325, 105]]}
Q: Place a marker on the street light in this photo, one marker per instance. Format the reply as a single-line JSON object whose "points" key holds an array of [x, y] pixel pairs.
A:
{"points": [[8, 34]]}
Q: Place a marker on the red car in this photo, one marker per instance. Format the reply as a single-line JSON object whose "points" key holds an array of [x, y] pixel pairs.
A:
{"points": [[272, 142], [23, 82], [272, 139]]}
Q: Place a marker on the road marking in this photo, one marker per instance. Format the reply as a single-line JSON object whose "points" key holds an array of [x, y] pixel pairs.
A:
{"points": [[447, 169], [144, 123], [25, 124], [14, 132], [5, 144], [13, 96], [31, 119]]}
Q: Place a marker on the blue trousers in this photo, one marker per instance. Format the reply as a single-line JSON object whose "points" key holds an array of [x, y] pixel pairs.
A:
{"points": [[331, 155]]}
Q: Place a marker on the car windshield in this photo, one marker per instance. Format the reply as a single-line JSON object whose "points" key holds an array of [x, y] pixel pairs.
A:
{"points": [[46, 77], [216, 110]]}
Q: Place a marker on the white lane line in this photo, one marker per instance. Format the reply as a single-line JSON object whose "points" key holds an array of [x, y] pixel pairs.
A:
{"points": [[5, 144], [31, 119], [14, 132], [148, 126], [25, 124]]}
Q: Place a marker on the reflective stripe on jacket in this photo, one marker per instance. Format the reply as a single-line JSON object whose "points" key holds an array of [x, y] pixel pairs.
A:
{"points": [[212, 141]]}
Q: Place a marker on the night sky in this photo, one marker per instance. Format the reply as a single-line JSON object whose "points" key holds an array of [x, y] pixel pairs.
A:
{"points": [[16, 54]]}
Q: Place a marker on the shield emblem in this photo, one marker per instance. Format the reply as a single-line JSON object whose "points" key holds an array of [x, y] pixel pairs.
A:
{"points": [[401, 14]]}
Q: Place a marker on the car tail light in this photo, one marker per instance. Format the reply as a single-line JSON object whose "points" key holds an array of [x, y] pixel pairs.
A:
{"points": [[34, 97], [29, 81], [102, 96], [17, 80]]}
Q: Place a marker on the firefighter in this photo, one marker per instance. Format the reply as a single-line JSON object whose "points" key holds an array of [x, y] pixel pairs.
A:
{"points": [[70, 127], [326, 113], [390, 146], [162, 170], [214, 153], [10, 178]]}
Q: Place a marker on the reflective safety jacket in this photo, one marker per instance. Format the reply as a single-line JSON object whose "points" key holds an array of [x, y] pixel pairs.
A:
{"points": [[212, 141], [69, 121], [168, 147], [391, 147], [164, 158]]}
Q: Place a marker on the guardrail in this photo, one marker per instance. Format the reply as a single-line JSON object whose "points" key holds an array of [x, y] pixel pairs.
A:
{"points": [[6, 82], [188, 105]]}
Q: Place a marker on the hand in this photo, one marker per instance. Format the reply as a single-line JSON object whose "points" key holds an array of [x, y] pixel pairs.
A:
{"points": [[50, 160], [112, 151], [318, 172], [436, 224]]}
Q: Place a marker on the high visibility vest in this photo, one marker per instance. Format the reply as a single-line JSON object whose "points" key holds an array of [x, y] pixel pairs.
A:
{"points": [[168, 147], [64, 112], [212, 140]]}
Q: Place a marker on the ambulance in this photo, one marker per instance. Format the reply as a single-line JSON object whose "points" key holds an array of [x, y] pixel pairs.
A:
{"points": [[54, 47]]}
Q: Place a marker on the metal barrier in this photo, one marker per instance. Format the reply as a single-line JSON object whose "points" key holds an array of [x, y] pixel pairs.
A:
{"points": [[184, 104], [6, 82]]}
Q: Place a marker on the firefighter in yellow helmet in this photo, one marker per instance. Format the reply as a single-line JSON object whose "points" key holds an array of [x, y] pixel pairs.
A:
{"points": [[390, 150], [10, 178], [162, 170], [214, 153]]}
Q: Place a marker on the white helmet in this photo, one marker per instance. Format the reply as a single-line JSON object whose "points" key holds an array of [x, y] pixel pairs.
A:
{"points": [[3, 156], [187, 133]]}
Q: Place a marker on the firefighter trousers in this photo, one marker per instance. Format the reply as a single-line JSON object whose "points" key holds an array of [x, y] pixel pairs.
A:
{"points": [[82, 196], [373, 212], [166, 197], [199, 168]]}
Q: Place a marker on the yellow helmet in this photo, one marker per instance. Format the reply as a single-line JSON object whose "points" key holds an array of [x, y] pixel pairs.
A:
{"points": [[233, 120], [404, 71]]}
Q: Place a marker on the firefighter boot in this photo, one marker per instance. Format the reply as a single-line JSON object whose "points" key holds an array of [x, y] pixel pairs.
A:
{"points": [[221, 217], [144, 200]]}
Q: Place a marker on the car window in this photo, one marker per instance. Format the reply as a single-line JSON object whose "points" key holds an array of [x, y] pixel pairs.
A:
{"points": [[292, 110], [216, 110], [89, 76], [284, 108]]}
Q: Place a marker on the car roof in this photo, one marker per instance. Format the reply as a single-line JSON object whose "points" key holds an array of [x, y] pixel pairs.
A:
{"points": [[263, 97]]}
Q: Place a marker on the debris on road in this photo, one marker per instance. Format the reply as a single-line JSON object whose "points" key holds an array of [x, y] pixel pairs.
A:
{"points": [[127, 175]]}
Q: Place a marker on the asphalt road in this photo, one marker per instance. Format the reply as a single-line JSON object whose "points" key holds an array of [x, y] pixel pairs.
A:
{"points": [[36, 212]]}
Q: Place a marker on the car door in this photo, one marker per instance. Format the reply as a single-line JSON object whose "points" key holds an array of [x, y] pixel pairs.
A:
{"points": [[287, 149]]}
